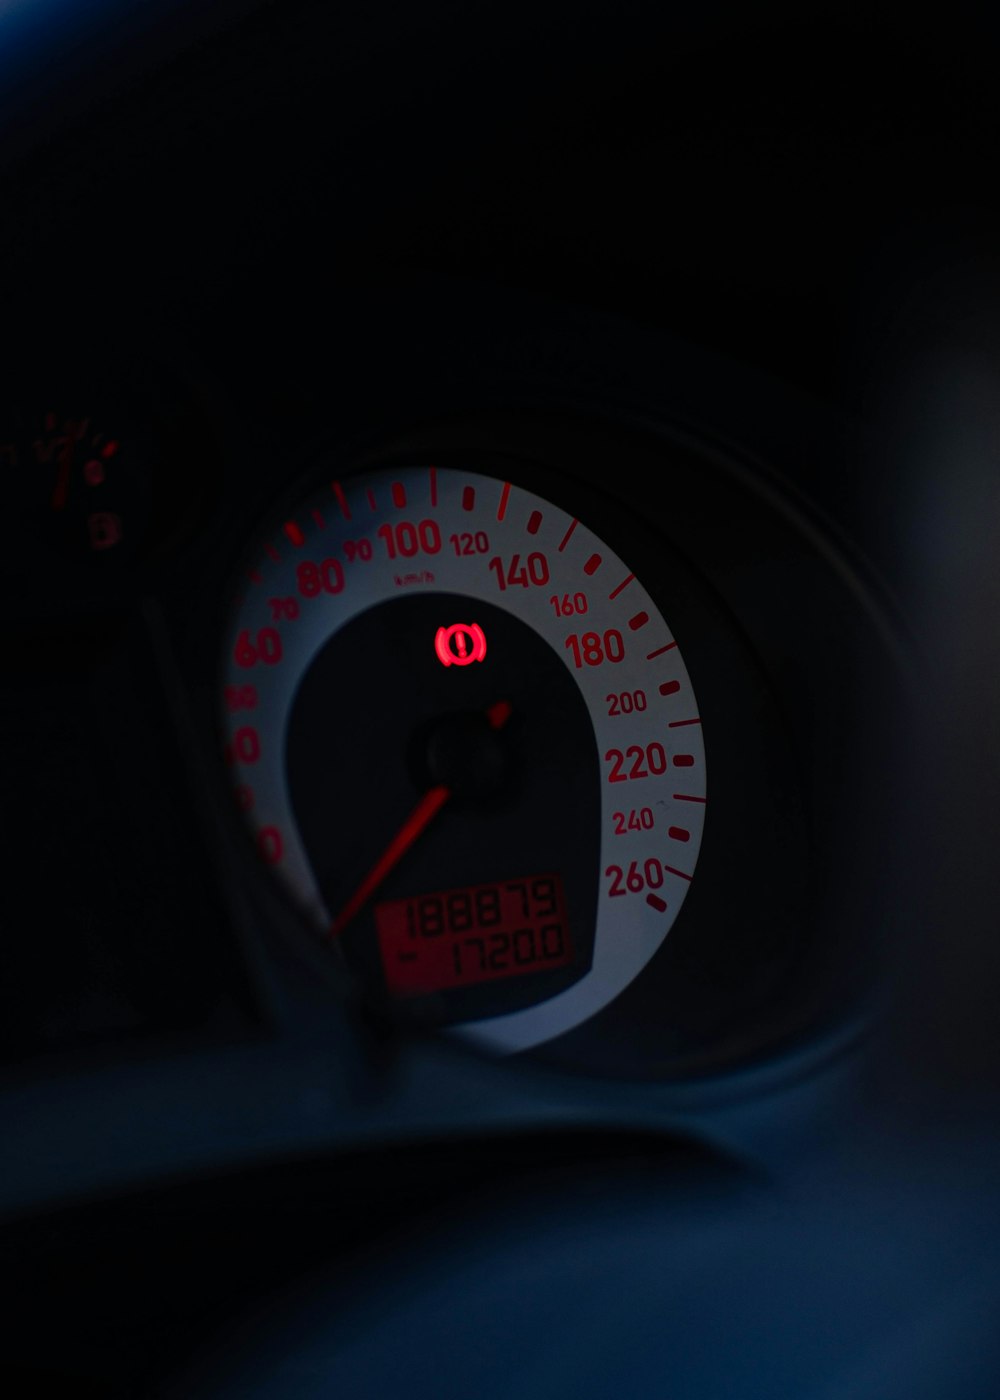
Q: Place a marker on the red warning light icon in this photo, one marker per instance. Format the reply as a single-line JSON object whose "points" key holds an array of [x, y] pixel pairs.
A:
{"points": [[460, 644]]}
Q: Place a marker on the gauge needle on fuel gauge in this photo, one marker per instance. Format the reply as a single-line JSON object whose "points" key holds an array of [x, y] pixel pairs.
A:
{"points": [[419, 819], [60, 491]]}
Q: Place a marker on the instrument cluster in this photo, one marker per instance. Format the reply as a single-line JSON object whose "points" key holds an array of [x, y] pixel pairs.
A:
{"points": [[551, 720]]}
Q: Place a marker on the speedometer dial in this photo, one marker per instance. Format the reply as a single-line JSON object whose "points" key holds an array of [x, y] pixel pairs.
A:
{"points": [[465, 738]]}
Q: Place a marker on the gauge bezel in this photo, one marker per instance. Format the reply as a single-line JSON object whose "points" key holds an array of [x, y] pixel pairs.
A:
{"points": [[704, 1024], [624, 936]]}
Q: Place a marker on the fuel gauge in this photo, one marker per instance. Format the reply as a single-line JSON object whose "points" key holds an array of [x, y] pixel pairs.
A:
{"points": [[74, 473], [102, 474]]}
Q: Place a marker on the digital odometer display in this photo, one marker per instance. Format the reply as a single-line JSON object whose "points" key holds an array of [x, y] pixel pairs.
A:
{"points": [[454, 938]]}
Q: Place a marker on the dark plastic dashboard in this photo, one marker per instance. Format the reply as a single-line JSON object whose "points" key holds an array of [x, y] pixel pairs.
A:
{"points": [[723, 284]]}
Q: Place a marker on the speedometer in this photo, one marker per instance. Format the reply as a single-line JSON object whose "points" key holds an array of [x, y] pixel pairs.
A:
{"points": [[464, 736]]}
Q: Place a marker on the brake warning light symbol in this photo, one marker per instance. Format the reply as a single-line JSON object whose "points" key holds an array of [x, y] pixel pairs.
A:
{"points": [[460, 644]]}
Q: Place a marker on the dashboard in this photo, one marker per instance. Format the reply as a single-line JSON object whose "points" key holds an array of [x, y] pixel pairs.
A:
{"points": [[499, 698]]}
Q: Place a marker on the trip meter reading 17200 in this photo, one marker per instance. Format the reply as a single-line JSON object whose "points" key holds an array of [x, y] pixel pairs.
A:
{"points": [[463, 736]]}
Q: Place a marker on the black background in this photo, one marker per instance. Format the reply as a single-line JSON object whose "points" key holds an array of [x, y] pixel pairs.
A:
{"points": [[800, 197]]}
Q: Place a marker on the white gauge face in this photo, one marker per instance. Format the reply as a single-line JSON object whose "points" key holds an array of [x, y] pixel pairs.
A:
{"points": [[467, 743]]}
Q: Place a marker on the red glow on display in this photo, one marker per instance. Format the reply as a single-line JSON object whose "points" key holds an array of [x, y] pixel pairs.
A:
{"points": [[656, 902], [683, 760], [671, 871], [640, 620], [475, 933], [592, 565], [678, 833], [460, 644], [468, 498], [109, 449], [497, 715], [294, 533], [534, 522], [398, 495], [670, 687], [504, 497], [434, 485], [623, 585]]}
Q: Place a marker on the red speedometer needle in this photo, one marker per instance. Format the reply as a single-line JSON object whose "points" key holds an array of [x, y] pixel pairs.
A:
{"points": [[423, 813], [419, 819]]}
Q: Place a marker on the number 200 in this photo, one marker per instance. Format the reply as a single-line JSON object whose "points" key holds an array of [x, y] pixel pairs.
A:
{"points": [[627, 702]]}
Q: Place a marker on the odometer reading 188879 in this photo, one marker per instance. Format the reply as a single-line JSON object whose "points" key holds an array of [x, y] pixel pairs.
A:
{"points": [[435, 682], [456, 937]]}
